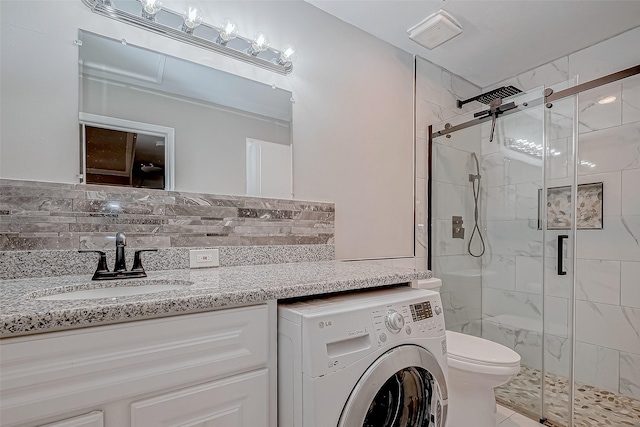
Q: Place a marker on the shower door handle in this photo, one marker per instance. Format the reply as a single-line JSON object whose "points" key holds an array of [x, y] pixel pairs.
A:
{"points": [[561, 238]]}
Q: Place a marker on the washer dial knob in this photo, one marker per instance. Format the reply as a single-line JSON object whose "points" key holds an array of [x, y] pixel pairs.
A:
{"points": [[438, 310], [394, 321]]}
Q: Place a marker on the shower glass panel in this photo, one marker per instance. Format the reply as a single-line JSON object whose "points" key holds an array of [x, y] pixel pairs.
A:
{"points": [[512, 298], [451, 225], [558, 201], [493, 274]]}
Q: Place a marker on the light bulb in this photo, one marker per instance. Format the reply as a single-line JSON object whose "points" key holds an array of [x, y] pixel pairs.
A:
{"points": [[150, 8], [259, 44], [192, 18], [288, 54], [228, 31]]}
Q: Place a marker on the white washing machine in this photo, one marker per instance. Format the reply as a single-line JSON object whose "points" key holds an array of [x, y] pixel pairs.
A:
{"points": [[374, 359]]}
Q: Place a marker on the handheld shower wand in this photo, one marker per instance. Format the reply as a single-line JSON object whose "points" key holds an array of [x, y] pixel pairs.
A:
{"points": [[476, 215]]}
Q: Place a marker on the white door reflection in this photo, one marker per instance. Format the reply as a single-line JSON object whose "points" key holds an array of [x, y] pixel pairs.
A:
{"points": [[269, 169]]}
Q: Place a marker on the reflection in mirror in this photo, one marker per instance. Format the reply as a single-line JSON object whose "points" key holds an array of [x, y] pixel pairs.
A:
{"points": [[216, 118], [109, 156], [126, 153]]}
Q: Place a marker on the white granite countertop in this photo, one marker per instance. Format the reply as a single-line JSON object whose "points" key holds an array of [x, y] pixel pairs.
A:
{"points": [[205, 289]]}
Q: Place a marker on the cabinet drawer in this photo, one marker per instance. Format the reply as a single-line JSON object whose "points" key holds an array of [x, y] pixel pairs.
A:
{"points": [[94, 419], [238, 401], [59, 372]]}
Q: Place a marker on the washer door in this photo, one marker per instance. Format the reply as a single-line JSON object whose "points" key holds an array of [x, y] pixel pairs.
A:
{"points": [[404, 387]]}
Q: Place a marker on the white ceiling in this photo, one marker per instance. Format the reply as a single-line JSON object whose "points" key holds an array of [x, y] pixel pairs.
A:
{"points": [[500, 38]]}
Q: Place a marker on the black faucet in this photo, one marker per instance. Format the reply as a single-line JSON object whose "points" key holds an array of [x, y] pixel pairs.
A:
{"points": [[121, 242], [120, 268]]}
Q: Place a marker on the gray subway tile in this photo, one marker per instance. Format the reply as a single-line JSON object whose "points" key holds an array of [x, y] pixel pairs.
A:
{"points": [[210, 212], [16, 243], [19, 204], [90, 215], [117, 207]]}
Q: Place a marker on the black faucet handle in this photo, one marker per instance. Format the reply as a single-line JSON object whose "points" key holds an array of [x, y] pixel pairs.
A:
{"points": [[137, 259], [102, 261]]}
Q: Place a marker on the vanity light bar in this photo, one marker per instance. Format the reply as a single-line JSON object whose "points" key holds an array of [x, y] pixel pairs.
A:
{"points": [[270, 59]]}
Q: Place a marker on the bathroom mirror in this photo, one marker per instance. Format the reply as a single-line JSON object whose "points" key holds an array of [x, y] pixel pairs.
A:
{"points": [[196, 128]]}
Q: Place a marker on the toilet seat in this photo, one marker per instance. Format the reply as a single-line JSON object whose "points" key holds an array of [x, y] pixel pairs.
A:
{"points": [[474, 354]]}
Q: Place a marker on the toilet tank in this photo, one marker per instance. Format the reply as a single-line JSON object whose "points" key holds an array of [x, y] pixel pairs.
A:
{"points": [[432, 284]]}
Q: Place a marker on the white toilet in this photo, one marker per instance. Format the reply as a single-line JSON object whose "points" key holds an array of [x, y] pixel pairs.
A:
{"points": [[476, 367]]}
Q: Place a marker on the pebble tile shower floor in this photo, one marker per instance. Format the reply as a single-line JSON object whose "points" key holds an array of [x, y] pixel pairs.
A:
{"points": [[593, 407]]}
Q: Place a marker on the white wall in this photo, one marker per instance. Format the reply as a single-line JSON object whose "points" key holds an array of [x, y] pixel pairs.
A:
{"points": [[352, 117]]}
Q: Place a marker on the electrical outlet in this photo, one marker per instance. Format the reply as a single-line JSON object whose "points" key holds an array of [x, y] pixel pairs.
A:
{"points": [[202, 258]]}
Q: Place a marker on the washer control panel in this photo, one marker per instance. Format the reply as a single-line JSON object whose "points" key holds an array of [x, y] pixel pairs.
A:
{"points": [[421, 318], [341, 329], [421, 311]]}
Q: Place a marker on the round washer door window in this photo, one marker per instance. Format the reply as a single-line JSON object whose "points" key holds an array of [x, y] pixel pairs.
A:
{"points": [[403, 401], [398, 390]]}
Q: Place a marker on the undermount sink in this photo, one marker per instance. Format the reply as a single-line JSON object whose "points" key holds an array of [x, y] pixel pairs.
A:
{"points": [[113, 290]]}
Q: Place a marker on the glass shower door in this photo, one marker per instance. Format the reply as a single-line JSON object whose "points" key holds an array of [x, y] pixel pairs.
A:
{"points": [[512, 268], [602, 257]]}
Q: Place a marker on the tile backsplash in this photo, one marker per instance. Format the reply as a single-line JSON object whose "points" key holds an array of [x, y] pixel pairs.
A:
{"points": [[38, 219]]}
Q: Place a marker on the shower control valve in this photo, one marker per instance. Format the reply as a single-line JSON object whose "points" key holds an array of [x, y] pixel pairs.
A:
{"points": [[394, 321], [457, 230]]}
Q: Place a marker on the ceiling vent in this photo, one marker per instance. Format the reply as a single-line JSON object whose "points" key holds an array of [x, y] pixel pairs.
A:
{"points": [[435, 30]]}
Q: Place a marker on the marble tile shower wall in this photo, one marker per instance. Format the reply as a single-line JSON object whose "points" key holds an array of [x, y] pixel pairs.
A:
{"points": [[436, 93], [608, 260], [43, 224]]}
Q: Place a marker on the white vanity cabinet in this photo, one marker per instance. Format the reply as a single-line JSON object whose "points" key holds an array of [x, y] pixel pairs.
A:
{"points": [[215, 369]]}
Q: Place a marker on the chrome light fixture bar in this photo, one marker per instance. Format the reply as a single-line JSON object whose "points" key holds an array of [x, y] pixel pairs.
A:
{"points": [[172, 24]]}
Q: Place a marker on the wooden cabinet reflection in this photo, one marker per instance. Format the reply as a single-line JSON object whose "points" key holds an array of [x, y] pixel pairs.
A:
{"points": [[116, 157]]}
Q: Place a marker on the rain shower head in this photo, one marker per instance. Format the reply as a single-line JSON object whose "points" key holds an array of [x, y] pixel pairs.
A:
{"points": [[503, 92], [487, 97]]}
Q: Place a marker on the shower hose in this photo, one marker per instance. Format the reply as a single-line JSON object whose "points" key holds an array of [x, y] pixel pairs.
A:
{"points": [[476, 215]]}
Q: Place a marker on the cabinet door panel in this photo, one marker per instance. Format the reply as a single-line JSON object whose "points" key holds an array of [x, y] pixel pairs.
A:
{"points": [[238, 401], [93, 419], [52, 374]]}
